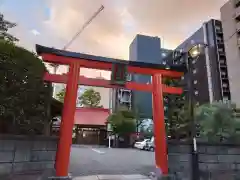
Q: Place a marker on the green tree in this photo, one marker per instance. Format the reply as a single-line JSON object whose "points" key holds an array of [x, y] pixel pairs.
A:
{"points": [[122, 122], [4, 27], [61, 95], [217, 122], [176, 112], [24, 96], [147, 130], [90, 98]]}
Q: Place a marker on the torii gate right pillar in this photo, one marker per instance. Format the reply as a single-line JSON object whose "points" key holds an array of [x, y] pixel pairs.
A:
{"points": [[161, 157]]}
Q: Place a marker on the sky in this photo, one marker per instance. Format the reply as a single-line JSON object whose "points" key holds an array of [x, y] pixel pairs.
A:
{"points": [[54, 22]]}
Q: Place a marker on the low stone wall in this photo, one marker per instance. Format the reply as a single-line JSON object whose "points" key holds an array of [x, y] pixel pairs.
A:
{"points": [[20, 154], [216, 161]]}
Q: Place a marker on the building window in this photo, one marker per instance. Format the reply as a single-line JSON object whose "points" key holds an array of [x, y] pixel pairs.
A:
{"points": [[237, 3], [196, 93], [194, 71], [129, 77]]}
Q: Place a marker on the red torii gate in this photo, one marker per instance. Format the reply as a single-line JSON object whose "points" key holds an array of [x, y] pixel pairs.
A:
{"points": [[73, 79]]}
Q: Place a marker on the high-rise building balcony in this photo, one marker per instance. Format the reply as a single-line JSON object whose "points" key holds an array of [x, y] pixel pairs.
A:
{"points": [[225, 90], [220, 41], [238, 27], [222, 63], [221, 51], [223, 69], [225, 85], [219, 29], [237, 3], [224, 74], [238, 42], [237, 13]]}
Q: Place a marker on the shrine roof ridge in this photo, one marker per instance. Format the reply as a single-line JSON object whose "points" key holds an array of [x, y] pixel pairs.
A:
{"points": [[43, 49]]}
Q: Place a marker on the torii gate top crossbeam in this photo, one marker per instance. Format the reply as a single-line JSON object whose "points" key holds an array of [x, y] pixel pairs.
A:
{"points": [[97, 62]]}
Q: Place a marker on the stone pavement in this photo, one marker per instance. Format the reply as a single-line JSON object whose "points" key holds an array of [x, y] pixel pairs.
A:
{"points": [[94, 177], [87, 161], [113, 177]]}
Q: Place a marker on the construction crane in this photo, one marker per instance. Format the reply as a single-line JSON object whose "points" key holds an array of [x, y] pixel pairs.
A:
{"points": [[83, 27], [55, 66]]}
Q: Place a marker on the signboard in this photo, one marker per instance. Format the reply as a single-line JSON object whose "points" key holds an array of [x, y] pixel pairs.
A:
{"points": [[119, 74]]}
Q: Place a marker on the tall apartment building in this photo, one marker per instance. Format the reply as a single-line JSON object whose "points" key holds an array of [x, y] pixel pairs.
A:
{"points": [[145, 49], [230, 16], [142, 49], [210, 73]]}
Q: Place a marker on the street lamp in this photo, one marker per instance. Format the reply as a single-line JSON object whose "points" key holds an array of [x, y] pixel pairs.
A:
{"points": [[196, 50], [192, 54]]}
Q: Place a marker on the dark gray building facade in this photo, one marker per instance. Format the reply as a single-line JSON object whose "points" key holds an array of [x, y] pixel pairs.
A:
{"points": [[210, 75], [145, 49]]}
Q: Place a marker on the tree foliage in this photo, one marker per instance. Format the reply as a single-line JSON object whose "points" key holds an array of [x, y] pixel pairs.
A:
{"points": [[24, 96], [61, 95], [90, 98], [217, 122], [146, 128], [176, 112], [122, 122], [4, 27]]}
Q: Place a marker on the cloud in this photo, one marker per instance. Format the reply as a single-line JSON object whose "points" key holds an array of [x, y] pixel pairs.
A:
{"points": [[35, 32], [113, 30]]}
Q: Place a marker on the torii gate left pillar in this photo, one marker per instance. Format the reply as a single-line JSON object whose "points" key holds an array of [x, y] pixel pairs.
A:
{"points": [[73, 79], [67, 123]]}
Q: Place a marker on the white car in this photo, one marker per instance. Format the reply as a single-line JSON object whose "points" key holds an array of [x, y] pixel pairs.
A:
{"points": [[150, 146], [141, 144]]}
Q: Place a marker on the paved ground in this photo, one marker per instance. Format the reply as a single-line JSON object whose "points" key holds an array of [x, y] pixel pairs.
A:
{"points": [[87, 161], [94, 163]]}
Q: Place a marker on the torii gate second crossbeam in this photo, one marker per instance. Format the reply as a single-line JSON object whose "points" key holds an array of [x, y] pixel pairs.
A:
{"points": [[73, 79]]}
